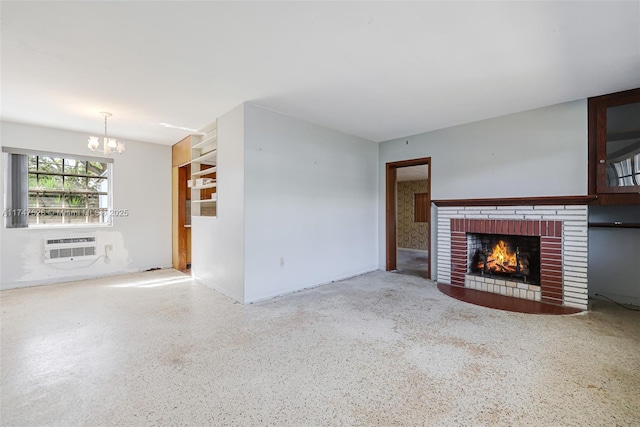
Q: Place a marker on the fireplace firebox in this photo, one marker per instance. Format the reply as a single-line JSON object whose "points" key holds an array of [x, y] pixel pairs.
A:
{"points": [[510, 257]]}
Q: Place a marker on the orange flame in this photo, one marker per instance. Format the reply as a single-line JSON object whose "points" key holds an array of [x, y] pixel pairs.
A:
{"points": [[501, 260]]}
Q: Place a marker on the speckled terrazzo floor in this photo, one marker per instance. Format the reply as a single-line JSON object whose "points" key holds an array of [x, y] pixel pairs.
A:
{"points": [[379, 349]]}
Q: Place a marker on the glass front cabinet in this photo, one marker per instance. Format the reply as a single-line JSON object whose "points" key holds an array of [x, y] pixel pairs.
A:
{"points": [[614, 147]]}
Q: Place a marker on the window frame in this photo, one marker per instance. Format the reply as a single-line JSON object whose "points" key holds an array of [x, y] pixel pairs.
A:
{"points": [[9, 209]]}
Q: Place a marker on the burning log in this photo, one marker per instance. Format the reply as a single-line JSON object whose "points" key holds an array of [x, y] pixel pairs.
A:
{"points": [[501, 260]]}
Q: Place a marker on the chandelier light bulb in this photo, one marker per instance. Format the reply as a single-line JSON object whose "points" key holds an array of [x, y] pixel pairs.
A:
{"points": [[93, 143]]}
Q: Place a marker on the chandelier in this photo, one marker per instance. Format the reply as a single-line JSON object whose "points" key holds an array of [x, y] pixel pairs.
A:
{"points": [[109, 145]]}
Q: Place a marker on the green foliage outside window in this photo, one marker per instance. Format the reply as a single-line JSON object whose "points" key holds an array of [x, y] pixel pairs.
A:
{"points": [[66, 190]]}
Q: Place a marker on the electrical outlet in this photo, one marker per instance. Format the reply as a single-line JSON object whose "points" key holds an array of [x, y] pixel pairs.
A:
{"points": [[281, 261], [108, 247]]}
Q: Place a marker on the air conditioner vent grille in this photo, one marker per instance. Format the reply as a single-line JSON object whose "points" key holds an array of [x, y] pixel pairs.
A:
{"points": [[69, 249]]}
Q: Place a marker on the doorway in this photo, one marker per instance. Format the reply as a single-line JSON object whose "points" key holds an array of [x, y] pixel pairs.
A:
{"points": [[181, 205], [181, 218], [408, 216]]}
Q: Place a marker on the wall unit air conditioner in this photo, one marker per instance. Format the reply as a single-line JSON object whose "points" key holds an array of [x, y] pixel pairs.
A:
{"points": [[69, 249]]}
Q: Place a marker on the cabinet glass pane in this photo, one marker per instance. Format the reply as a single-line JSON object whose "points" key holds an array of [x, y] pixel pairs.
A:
{"points": [[623, 145]]}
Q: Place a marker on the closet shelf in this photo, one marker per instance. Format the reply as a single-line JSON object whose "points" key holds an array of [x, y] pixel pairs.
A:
{"points": [[205, 171], [204, 154], [203, 187], [206, 157], [205, 141]]}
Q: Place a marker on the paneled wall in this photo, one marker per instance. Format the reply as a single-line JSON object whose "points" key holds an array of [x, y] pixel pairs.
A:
{"points": [[411, 234]]}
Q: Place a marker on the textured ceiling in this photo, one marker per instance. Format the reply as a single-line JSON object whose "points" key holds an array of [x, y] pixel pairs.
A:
{"points": [[413, 173], [378, 70]]}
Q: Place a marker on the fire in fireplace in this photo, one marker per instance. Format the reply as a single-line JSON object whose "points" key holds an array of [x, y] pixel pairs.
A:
{"points": [[513, 257]]}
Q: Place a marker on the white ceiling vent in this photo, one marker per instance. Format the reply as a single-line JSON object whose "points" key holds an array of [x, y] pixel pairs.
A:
{"points": [[69, 249]]}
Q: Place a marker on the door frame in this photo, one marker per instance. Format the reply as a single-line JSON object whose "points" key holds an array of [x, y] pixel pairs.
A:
{"points": [[391, 209], [180, 173]]}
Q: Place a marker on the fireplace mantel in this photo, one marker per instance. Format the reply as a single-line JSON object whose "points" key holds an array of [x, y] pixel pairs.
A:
{"points": [[518, 201]]}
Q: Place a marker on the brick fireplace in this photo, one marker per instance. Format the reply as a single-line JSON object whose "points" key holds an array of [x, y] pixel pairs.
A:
{"points": [[562, 232], [550, 233]]}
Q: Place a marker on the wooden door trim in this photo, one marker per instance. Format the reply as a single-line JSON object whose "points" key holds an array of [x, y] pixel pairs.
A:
{"points": [[390, 209], [392, 258]]}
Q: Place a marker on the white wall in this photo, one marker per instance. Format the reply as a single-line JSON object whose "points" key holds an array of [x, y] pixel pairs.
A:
{"points": [[614, 270], [311, 198], [217, 243], [541, 152], [141, 184]]}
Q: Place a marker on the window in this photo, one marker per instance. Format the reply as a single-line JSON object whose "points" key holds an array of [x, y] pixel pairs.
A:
{"points": [[50, 190]]}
